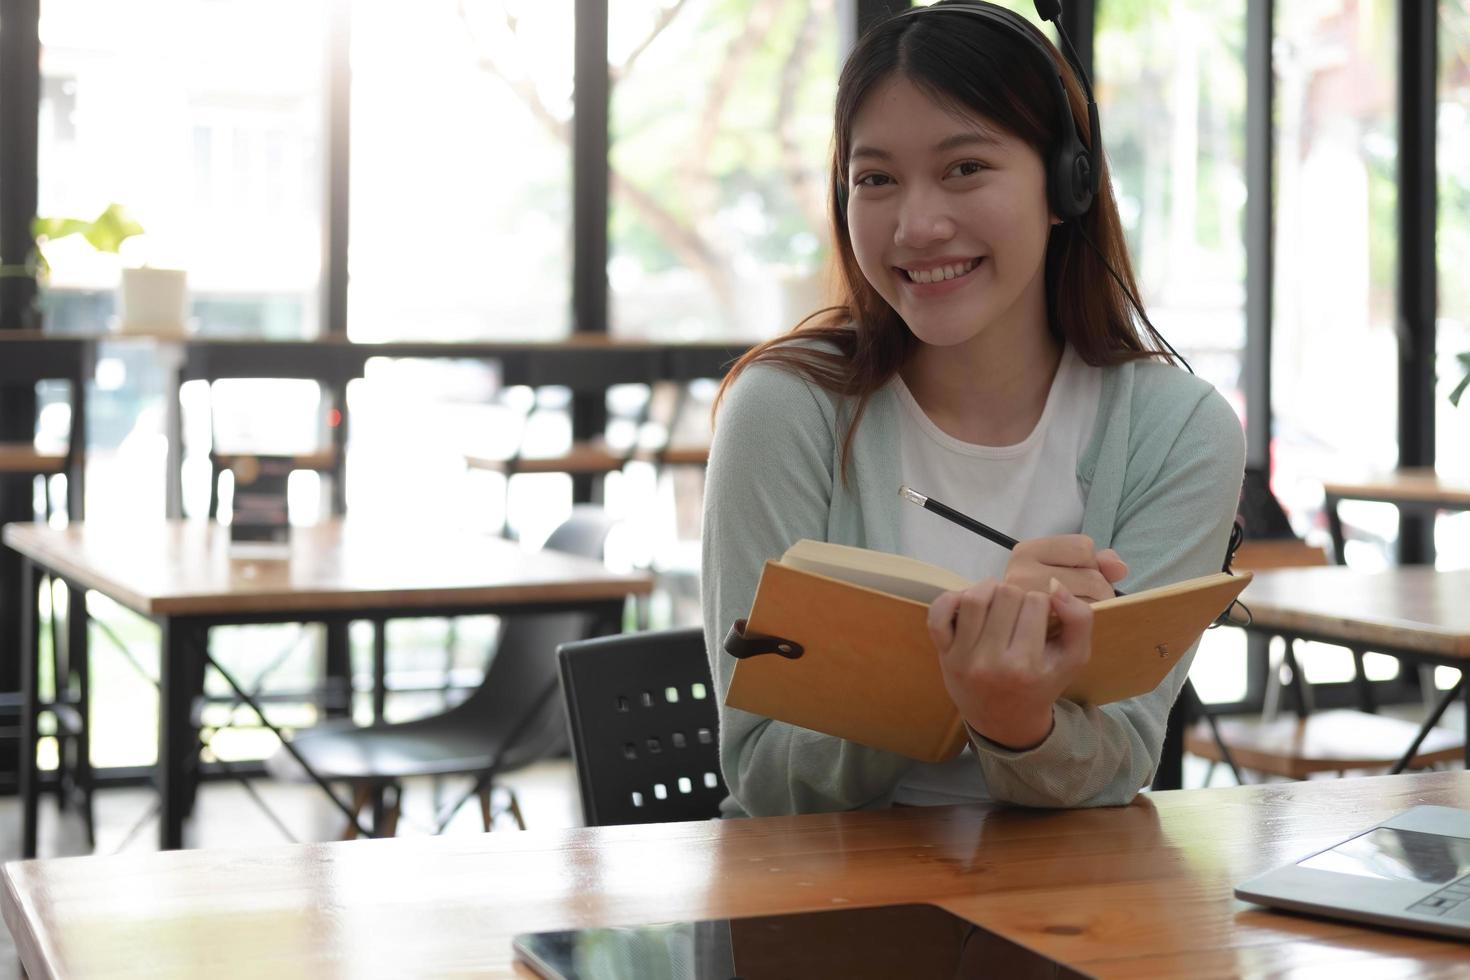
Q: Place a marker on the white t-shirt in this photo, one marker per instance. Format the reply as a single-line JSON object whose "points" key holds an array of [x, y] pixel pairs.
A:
{"points": [[1026, 490]]}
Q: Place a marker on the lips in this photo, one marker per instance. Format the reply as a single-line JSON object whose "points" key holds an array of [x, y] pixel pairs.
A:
{"points": [[940, 273]]}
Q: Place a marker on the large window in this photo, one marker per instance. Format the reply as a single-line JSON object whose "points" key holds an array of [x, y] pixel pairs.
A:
{"points": [[721, 134], [168, 109], [1452, 426], [203, 118], [1171, 93], [1335, 354], [461, 173]]}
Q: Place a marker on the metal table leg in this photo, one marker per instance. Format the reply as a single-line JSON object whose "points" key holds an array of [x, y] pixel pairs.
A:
{"points": [[1334, 527], [1430, 722], [255, 706], [30, 707], [182, 649]]}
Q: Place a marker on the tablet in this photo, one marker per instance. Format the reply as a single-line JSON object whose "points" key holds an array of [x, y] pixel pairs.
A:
{"points": [[917, 942]]}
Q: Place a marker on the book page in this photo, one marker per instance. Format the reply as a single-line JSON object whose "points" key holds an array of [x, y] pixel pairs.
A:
{"points": [[894, 574]]}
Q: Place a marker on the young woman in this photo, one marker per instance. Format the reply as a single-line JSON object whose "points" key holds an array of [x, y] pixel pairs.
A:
{"points": [[987, 353]]}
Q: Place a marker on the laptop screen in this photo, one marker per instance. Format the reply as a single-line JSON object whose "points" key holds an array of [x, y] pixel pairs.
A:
{"points": [[1397, 855]]}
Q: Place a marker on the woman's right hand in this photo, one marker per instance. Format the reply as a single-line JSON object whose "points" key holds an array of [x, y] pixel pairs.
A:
{"points": [[1071, 559], [1002, 665]]}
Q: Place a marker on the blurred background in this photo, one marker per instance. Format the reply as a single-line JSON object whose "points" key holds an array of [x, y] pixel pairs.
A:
{"points": [[486, 170]]}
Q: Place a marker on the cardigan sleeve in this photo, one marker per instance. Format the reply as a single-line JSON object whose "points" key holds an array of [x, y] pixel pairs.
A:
{"points": [[770, 479], [1173, 523]]}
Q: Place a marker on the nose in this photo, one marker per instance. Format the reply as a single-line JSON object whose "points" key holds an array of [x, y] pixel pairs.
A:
{"points": [[923, 220]]}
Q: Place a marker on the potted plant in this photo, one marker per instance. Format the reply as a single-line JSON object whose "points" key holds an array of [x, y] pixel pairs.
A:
{"points": [[105, 233], [150, 300]]}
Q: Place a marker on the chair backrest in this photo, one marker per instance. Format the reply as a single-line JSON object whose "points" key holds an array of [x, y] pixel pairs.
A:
{"points": [[644, 727], [524, 665], [1260, 510]]}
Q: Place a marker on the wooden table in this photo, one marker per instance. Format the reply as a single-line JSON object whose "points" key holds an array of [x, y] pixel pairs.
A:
{"points": [[1413, 613], [183, 576], [1139, 891], [1418, 489]]}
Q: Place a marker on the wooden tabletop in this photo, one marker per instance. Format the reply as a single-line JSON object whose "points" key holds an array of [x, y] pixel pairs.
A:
{"points": [[1414, 609], [1138, 891], [1419, 484], [189, 568]]}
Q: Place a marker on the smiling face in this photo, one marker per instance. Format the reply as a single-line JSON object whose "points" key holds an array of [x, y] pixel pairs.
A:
{"points": [[948, 218]]}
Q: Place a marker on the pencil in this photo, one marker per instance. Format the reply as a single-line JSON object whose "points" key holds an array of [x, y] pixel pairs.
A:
{"points": [[964, 520]]}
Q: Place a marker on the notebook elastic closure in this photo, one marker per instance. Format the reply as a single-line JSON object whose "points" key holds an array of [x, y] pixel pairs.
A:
{"points": [[742, 645]]}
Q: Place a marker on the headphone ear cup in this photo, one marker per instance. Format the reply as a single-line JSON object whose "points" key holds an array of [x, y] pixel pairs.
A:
{"points": [[1071, 182]]}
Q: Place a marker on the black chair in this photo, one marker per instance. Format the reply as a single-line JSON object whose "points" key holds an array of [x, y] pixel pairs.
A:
{"points": [[512, 720], [644, 726]]}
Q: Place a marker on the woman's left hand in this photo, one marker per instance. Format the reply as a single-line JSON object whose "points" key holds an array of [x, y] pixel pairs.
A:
{"points": [[1000, 667]]}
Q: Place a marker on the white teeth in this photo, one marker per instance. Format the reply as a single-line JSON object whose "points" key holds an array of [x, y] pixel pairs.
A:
{"points": [[943, 272]]}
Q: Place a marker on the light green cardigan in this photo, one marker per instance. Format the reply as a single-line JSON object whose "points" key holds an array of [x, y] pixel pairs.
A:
{"points": [[1161, 477]]}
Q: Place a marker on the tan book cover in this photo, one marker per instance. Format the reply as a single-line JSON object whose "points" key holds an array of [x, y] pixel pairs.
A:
{"points": [[868, 671]]}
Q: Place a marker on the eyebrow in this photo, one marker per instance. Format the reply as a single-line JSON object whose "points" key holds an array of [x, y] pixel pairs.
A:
{"points": [[955, 142]]}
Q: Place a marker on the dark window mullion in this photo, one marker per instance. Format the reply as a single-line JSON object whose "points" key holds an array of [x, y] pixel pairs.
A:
{"points": [[590, 143], [20, 101], [1418, 67], [1259, 233], [336, 156], [20, 106], [591, 140]]}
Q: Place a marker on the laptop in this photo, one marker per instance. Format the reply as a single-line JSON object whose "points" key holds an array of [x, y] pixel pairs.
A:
{"points": [[1411, 871]]}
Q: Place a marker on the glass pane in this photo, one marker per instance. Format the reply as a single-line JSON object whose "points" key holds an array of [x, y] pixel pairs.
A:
{"points": [[1171, 94], [1452, 425], [461, 172], [1334, 358], [203, 118], [721, 135]]}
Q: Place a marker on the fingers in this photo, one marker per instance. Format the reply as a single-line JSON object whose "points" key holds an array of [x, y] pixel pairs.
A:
{"points": [[971, 615], [1111, 565], [941, 620], [1075, 637], [1032, 622], [1063, 550], [1087, 583], [1000, 622], [1071, 558]]}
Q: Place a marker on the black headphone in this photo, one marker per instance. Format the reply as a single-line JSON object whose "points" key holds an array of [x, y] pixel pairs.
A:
{"points": [[1071, 177]]}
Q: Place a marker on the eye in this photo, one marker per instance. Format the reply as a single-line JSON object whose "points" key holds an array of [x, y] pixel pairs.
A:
{"points": [[873, 180], [967, 168]]}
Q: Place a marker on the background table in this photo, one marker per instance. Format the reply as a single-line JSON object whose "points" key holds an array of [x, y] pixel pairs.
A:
{"points": [[1412, 489], [1138, 891], [1413, 613], [184, 576]]}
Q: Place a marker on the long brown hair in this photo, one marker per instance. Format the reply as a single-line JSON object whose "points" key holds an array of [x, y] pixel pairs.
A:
{"points": [[855, 347]]}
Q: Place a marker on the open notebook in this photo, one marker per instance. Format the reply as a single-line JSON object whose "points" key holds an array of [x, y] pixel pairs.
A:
{"points": [[837, 641]]}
